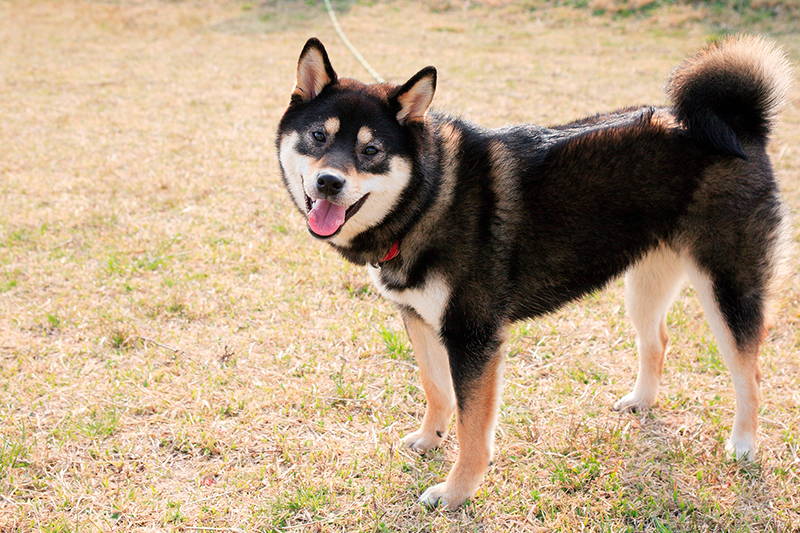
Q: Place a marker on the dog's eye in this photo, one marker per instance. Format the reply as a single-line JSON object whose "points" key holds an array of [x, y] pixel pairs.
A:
{"points": [[318, 135], [370, 150]]}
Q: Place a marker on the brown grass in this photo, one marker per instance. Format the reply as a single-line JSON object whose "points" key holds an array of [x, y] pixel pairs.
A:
{"points": [[176, 353]]}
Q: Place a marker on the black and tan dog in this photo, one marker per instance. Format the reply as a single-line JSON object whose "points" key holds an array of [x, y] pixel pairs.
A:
{"points": [[469, 229]]}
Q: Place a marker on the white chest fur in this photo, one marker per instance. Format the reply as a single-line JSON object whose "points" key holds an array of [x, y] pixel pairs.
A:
{"points": [[429, 301]]}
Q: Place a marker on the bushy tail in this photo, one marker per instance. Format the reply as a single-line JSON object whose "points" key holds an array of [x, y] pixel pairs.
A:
{"points": [[730, 93]]}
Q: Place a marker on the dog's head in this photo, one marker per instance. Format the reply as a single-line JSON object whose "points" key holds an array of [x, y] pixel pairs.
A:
{"points": [[345, 147]]}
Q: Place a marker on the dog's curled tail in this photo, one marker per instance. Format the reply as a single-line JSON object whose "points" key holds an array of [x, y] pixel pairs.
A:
{"points": [[730, 93]]}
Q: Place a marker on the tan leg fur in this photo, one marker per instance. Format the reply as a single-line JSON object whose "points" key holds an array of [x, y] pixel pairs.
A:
{"points": [[743, 366], [475, 425], [650, 288], [434, 370]]}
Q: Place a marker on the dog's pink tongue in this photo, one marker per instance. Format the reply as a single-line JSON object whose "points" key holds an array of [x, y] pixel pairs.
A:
{"points": [[325, 218]]}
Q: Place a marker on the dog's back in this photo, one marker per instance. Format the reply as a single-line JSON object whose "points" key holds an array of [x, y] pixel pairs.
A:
{"points": [[597, 195]]}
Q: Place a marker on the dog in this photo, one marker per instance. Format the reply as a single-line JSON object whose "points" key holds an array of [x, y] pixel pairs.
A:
{"points": [[468, 229]]}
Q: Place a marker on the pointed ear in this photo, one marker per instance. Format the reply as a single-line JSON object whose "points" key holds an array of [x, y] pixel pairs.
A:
{"points": [[314, 72], [414, 97]]}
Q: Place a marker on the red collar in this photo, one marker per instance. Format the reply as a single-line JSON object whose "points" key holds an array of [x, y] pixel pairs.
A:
{"points": [[391, 254]]}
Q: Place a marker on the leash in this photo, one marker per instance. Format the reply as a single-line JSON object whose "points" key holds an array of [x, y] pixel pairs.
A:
{"points": [[393, 251], [349, 45]]}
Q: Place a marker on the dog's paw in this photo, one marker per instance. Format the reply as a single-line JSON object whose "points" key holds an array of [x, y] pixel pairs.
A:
{"points": [[633, 403], [740, 450], [442, 496], [422, 441]]}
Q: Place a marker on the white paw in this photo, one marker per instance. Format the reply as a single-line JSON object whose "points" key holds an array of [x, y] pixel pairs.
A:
{"points": [[422, 441], [441, 496], [633, 403], [740, 450]]}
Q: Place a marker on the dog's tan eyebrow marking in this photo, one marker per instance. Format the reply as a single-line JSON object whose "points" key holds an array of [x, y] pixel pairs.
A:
{"points": [[332, 125], [364, 135]]}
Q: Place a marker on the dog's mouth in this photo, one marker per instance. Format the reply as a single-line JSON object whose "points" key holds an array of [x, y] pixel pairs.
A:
{"points": [[326, 218]]}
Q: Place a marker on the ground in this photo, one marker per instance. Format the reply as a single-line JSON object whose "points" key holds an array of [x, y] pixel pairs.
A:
{"points": [[176, 354]]}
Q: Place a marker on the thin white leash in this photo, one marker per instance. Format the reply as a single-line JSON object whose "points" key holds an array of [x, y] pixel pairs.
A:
{"points": [[349, 45]]}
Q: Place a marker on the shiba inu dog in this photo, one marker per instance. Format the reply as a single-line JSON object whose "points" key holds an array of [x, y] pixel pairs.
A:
{"points": [[468, 229]]}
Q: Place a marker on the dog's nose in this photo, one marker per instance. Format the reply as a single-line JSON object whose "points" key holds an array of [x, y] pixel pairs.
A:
{"points": [[330, 184]]}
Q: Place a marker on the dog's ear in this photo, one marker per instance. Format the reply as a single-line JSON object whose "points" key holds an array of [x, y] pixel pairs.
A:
{"points": [[413, 98], [314, 72]]}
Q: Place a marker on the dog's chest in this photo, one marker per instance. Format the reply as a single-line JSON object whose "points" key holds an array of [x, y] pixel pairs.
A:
{"points": [[429, 301]]}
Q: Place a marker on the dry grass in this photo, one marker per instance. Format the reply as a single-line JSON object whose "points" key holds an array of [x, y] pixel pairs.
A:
{"points": [[176, 354]]}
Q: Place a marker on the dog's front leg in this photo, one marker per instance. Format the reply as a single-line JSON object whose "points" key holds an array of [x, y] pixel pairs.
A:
{"points": [[478, 385], [434, 371]]}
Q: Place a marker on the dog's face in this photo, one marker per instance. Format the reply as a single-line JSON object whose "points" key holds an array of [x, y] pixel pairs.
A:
{"points": [[344, 146]]}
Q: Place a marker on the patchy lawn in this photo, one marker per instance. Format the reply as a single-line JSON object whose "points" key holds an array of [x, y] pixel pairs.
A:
{"points": [[177, 355]]}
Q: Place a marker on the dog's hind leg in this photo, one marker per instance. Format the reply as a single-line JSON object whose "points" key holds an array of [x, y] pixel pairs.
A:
{"points": [[651, 286], [737, 321], [434, 370]]}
